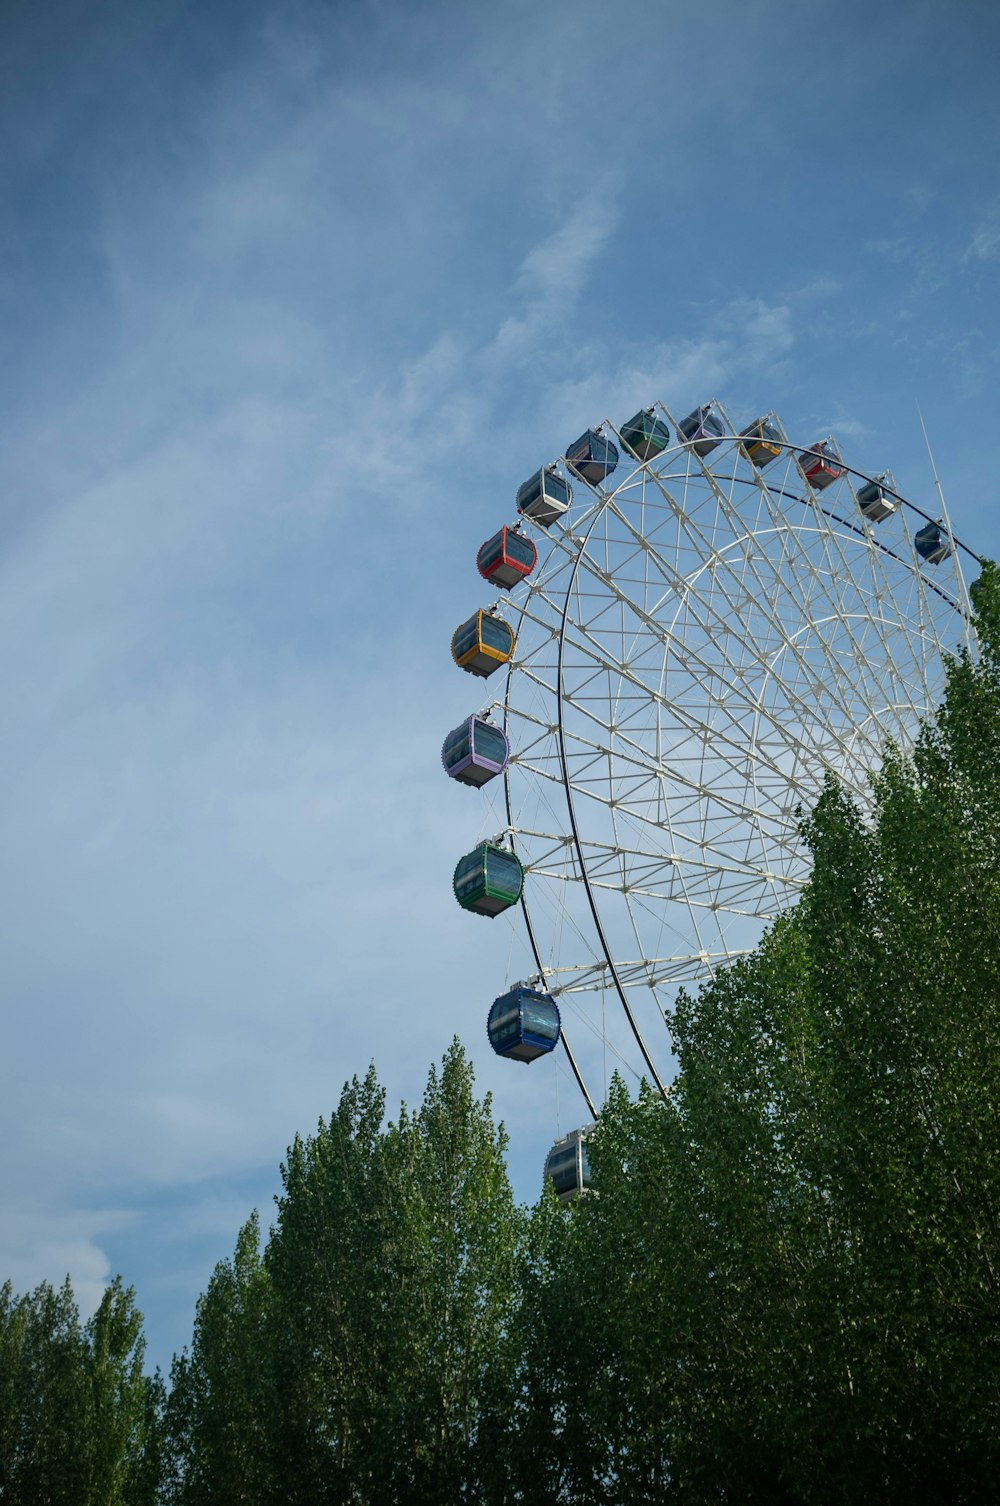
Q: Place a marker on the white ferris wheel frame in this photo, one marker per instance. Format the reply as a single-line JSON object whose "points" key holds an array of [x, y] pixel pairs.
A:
{"points": [[690, 557]]}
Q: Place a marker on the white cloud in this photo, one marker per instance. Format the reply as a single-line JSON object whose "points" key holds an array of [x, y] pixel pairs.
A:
{"points": [[49, 1244], [339, 306], [552, 277], [985, 244]]}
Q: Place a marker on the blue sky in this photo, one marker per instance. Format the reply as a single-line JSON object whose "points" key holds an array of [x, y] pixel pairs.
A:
{"points": [[292, 298]]}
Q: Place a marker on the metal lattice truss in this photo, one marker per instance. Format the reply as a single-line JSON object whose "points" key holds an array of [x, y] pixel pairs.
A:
{"points": [[698, 646]]}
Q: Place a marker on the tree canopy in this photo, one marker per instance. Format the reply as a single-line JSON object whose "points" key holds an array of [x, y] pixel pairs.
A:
{"points": [[782, 1286]]}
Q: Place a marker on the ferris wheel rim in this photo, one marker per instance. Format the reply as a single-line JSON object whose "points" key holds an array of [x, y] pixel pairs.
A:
{"points": [[574, 545]]}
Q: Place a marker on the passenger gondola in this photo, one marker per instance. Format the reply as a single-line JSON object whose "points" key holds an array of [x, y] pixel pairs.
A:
{"points": [[475, 752], [645, 436], [702, 430], [592, 457], [544, 497], [488, 880], [523, 1024], [875, 499], [821, 465], [566, 1165], [932, 543], [761, 441], [482, 644], [506, 558]]}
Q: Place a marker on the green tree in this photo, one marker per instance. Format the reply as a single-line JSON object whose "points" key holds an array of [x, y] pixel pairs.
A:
{"points": [[79, 1423], [45, 1426], [452, 1256], [393, 1264], [122, 1417], [220, 1404], [784, 1286], [328, 1334]]}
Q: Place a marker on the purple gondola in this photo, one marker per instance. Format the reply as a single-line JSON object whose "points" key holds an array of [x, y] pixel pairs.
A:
{"points": [[475, 752], [702, 430]]}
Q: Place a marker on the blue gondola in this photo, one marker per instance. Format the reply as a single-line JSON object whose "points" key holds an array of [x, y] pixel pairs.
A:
{"points": [[592, 457], [475, 752], [566, 1164], [875, 499], [523, 1024], [702, 430], [645, 435], [932, 543], [544, 497]]}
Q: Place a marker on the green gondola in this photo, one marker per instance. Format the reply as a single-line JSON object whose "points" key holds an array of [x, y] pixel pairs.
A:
{"points": [[645, 435], [488, 880]]}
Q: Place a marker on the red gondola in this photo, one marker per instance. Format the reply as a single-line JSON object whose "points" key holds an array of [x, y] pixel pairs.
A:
{"points": [[821, 465], [506, 558]]}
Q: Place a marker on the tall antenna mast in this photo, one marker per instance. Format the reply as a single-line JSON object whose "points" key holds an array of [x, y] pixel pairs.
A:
{"points": [[937, 479], [944, 516]]}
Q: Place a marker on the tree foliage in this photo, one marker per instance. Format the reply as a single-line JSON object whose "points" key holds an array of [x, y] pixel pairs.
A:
{"points": [[355, 1360], [783, 1286], [79, 1422], [794, 1256]]}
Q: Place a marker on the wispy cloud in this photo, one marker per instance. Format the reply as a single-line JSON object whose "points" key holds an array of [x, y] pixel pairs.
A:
{"points": [[553, 275], [287, 319], [985, 244]]}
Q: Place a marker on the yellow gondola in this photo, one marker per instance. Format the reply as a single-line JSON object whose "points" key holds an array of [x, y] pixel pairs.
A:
{"points": [[482, 644], [761, 441]]}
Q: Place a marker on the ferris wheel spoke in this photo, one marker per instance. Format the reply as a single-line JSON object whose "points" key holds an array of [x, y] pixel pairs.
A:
{"points": [[722, 625], [700, 641], [739, 608], [724, 736]]}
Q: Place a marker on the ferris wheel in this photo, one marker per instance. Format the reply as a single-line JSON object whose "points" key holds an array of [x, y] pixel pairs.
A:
{"points": [[698, 622]]}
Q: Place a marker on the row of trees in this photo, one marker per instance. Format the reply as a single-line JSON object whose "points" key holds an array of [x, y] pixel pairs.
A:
{"points": [[782, 1288], [80, 1424]]}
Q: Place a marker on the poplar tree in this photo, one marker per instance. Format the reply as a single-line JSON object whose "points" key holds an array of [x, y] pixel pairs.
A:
{"points": [[79, 1422], [784, 1286], [220, 1402]]}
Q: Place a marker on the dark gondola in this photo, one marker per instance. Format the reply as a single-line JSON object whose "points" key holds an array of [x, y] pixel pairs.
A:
{"points": [[821, 465], [592, 457], [475, 752], [702, 430], [523, 1024], [645, 435], [488, 880], [761, 441], [876, 500], [506, 558], [566, 1165], [482, 644], [932, 543], [544, 497]]}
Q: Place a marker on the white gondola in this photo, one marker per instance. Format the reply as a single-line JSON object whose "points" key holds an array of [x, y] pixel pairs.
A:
{"points": [[566, 1164], [876, 499], [544, 497]]}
